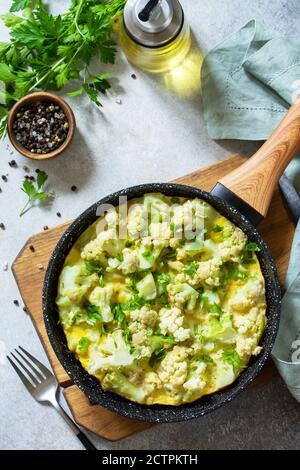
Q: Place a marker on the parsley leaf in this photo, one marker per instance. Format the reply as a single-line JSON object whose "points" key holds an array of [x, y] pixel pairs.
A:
{"points": [[252, 246], [217, 228], [92, 267], [215, 310], [83, 344], [157, 356], [119, 315], [21, 4], [191, 269], [46, 51], [34, 192], [93, 314], [232, 357]]}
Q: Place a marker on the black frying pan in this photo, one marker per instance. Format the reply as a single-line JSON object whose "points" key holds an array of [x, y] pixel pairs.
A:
{"points": [[243, 197]]}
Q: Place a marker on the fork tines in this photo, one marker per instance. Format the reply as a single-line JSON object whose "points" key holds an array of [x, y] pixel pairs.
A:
{"points": [[31, 371]]}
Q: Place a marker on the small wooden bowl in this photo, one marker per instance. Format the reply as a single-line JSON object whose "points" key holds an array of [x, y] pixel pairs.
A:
{"points": [[32, 98]]}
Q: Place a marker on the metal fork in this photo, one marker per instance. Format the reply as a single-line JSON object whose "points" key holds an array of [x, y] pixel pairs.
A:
{"points": [[42, 385]]}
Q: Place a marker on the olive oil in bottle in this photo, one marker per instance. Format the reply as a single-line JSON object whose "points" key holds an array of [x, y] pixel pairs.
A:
{"points": [[154, 34]]}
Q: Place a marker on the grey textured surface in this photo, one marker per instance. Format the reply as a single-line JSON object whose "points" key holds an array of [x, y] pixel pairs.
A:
{"points": [[154, 135]]}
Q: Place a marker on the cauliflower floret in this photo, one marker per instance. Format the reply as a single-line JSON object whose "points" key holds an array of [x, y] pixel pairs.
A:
{"points": [[182, 294], [141, 327], [130, 261], [195, 383], [151, 383], [137, 221], [101, 297], [171, 321], [74, 284], [251, 294], [208, 272], [251, 321], [177, 266], [139, 340], [173, 369], [113, 264], [245, 346], [144, 316], [160, 231], [112, 353], [105, 242], [232, 246]]}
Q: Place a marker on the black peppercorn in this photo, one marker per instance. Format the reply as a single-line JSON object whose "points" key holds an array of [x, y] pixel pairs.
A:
{"points": [[16, 302], [73, 188], [45, 227], [12, 163], [58, 214], [31, 247], [41, 127], [4, 177]]}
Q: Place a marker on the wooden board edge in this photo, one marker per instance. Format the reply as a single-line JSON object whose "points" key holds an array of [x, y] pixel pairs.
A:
{"points": [[107, 433]]}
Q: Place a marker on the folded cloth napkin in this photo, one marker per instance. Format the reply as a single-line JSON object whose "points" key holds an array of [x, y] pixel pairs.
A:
{"points": [[248, 83]]}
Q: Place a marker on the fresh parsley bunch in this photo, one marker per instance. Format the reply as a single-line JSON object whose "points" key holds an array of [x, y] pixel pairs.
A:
{"points": [[45, 51]]}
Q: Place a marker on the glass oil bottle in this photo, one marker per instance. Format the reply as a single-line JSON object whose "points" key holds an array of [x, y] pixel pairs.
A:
{"points": [[154, 34]]}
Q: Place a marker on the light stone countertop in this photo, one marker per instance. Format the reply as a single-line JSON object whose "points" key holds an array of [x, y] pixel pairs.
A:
{"points": [[155, 134]]}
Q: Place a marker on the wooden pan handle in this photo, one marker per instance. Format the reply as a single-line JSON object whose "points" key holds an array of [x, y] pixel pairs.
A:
{"points": [[256, 179]]}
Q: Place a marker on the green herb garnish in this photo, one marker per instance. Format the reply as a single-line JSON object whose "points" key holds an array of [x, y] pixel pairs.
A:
{"points": [[157, 356], [191, 269], [119, 315], [93, 314], [232, 357], [83, 344], [92, 267], [175, 200], [163, 280], [252, 246], [34, 191], [215, 310], [217, 228], [45, 52]]}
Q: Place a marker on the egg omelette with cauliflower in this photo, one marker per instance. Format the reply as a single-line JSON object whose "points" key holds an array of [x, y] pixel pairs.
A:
{"points": [[162, 319]]}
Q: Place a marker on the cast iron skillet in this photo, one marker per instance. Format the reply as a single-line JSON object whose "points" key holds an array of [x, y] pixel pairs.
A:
{"points": [[243, 197]]}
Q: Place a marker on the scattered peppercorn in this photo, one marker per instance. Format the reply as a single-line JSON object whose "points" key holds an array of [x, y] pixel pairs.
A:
{"points": [[4, 177], [37, 170], [41, 127], [2, 226], [31, 247], [32, 178], [133, 75], [16, 302], [12, 163], [25, 309], [74, 188], [25, 168], [58, 214], [45, 227]]}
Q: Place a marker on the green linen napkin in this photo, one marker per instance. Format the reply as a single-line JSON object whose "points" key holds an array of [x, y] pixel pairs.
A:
{"points": [[248, 83]]}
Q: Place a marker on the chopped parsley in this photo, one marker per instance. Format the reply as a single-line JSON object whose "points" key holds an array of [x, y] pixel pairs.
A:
{"points": [[83, 344], [191, 269], [215, 310], [217, 228], [92, 267], [232, 357], [93, 314]]}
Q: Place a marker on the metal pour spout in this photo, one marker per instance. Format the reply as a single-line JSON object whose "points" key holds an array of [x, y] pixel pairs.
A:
{"points": [[146, 12]]}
